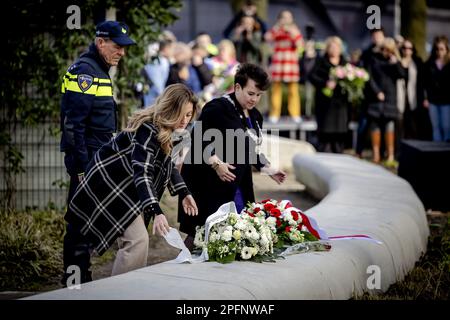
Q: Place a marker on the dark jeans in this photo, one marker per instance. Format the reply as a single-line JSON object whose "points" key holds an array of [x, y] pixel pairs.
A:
{"points": [[362, 134]]}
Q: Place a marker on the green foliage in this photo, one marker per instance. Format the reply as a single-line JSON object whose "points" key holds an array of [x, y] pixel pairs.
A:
{"points": [[145, 19], [30, 248], [222, 251], [38, 58], [41, 48]]}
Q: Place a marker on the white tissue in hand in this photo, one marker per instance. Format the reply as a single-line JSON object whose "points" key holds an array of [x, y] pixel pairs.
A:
{"points": [[173, 238]]}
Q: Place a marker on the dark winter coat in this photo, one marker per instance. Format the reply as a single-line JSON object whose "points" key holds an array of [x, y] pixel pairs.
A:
{"points": [[383, 78], [331, 112], [126, 178], [207, 189], [437, 83]]}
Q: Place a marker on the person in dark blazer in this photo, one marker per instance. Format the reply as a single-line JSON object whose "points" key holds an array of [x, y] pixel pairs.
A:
{"points": [[383, 112], [331, 112], [125, 181], [367, 56], [221, 171]]}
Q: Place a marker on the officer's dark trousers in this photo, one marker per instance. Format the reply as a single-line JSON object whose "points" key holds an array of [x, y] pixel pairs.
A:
{"points": [[77, 250]]}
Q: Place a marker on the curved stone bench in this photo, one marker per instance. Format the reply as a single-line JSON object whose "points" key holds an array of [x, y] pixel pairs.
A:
{"points": [[362, 198], [358, 198]]}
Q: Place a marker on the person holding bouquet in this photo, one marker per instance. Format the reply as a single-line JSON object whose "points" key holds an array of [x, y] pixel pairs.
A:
{"points": [[331, 102], [220, 172], [125, 181]]}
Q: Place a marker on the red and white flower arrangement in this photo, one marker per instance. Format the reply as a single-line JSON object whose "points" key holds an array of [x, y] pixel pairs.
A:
{"points": [[257, 230]]}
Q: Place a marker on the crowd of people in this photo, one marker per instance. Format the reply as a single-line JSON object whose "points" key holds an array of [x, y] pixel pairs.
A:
{"points": [[405, 97]]}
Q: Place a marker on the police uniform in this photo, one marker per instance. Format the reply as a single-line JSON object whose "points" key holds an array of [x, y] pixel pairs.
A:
{"points": [[88, 121], [88, 110]]}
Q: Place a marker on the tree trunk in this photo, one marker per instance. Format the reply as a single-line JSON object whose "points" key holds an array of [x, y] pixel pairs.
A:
{"points": [[414, 23]]}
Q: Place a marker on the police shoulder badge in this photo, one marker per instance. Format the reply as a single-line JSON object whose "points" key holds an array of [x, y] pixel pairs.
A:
{"points": [[85, 82]]}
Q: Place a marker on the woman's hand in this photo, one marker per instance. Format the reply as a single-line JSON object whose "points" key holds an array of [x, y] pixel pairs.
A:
{"points": [[426, 103], [380, 96], [393, 59], [189, 206], [331, 84], [279, 176], [160, 225], [276, 174], [224, 173]]}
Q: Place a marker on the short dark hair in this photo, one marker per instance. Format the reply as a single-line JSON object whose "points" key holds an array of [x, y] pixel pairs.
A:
{"points": [[252, 71]]}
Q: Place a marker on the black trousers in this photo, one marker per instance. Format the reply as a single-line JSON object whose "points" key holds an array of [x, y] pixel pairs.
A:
{"points": [[331, 142], [77, 249]]}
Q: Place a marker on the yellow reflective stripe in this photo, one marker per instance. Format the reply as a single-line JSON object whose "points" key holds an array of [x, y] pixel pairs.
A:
{"points": [[70, 83], [73, 86], [104, 91], [103, 80], [71, 76]]}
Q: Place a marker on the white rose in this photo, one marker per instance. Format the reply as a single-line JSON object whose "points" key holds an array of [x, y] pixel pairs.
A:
{"points": [[198, 240], [271, 221], [213, 236], [240, 225], [226, 235]]}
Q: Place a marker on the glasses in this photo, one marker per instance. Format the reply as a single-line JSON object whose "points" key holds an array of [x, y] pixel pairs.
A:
{"points": [[441, 49], [407, 48]]}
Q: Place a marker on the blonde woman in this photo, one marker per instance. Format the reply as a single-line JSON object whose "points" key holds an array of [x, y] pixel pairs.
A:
{"points": [[385, 69], [331, 111], [223, 67], [126, 179]]}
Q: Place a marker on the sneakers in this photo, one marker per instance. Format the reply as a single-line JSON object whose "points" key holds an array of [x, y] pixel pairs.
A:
{"points": [[392, 164], [273, 119], [297, 119]]}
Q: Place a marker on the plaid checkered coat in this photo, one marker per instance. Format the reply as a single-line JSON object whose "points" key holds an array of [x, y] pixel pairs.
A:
{"points": [[126, 177], [284, 64]]}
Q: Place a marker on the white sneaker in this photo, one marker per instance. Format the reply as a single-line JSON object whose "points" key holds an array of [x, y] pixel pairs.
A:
{"points": [[273, 119], [297, 119]]}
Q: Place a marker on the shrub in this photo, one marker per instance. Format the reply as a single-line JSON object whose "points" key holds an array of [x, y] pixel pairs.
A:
{"points": [[30, 248]]}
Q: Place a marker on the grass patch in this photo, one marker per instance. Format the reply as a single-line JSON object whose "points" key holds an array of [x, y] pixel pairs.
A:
{"points": [[30, 248], [430, 278]]}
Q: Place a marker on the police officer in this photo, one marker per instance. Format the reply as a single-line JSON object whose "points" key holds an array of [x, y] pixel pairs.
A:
{"points": [[88, 120]]}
